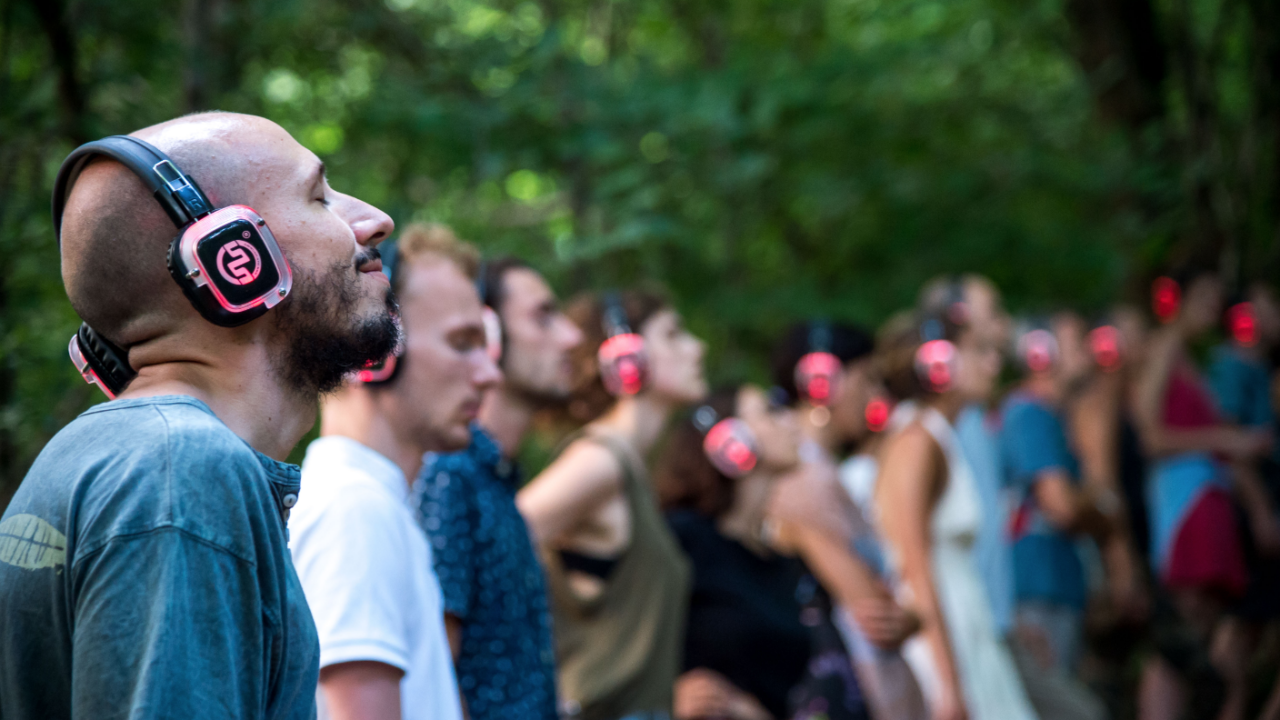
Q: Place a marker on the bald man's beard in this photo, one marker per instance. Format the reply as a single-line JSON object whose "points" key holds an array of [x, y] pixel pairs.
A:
{"points": [[326, 337]]}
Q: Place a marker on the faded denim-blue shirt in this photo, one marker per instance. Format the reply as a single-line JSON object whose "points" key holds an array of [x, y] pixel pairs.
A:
{"points": [[492, 581], [144, 572]]}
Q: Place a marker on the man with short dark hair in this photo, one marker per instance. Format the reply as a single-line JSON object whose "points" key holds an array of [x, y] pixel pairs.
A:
{"points": [[494, 590], [363, 560], [144, 570]]}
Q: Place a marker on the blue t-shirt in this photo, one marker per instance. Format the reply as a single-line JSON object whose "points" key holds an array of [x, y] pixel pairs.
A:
{"points": [[144, 572], [492, 581], [992, 552], [1242, 387], [1046, 564]]}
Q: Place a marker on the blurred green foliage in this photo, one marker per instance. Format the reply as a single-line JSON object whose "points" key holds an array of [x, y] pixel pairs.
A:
{"points": [[765, 160]]}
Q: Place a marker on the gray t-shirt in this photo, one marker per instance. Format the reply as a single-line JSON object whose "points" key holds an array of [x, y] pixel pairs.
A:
{"points": [[144, 572]]}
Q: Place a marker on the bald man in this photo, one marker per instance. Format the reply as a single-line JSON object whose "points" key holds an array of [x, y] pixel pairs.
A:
{"points": [[144, 567]]}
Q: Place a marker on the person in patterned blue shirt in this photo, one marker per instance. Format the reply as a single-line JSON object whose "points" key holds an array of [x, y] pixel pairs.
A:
{"points": [[495, 595]]}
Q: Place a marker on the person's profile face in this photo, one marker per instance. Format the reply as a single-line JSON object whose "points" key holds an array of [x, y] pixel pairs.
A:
{"points": [[1074, 358], [538, 335], [849, 406], [317, 227], [1202, 304], [446, 367], [675, 359], [774, 426], [977, 368]]}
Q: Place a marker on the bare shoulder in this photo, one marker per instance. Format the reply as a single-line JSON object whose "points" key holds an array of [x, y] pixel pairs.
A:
{"points": [[586, 464], [912, 446]]}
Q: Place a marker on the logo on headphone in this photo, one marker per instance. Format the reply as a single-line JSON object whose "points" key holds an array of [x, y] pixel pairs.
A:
{"points": [[238, 262]]}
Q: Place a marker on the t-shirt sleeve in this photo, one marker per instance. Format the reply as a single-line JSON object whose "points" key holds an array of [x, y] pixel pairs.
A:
{"points": [[181, 638], [448, 518], [346, 559], [1226, 382], [1034, 441]]}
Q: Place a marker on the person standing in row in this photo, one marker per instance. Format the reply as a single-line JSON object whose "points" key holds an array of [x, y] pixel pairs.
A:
{"points": [[618, 581], [495, 595], [143, 562], [930, 514], [364, 562]]}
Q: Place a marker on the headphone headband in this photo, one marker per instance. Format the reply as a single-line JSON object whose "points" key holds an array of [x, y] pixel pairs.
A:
{"points": [[179, 195]]}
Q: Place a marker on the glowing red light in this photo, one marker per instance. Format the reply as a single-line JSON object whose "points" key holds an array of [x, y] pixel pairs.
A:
{"points": [[1166, 298], [623, 364], [1104, 343], [935, 362], [877, 414], [816, 376], [1242, 324], [729, 446], [1039, 350]]}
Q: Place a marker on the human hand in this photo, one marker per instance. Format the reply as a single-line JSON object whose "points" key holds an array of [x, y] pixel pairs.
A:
{"points": [[884, 622], [702, 694]]}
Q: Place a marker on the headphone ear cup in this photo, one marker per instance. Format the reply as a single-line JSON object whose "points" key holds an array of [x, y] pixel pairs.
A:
{"points": [[492, 333], [624, 364], [731, 447], [109, 363], [935, 365]]}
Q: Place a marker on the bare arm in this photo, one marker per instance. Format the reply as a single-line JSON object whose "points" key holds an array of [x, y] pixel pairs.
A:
{"points": [[910, 484], [362, 690], [1067, 507], [1160, 439], [581, 480]]}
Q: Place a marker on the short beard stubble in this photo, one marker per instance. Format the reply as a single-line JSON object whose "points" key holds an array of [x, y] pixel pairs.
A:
{"points": [[326, 339]]}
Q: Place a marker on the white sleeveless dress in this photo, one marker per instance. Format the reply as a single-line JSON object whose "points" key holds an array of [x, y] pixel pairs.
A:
{"points": [[991, 686]]}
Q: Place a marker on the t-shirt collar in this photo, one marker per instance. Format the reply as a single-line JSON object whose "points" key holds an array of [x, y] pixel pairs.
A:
{"points": [[341, 451], [485, 452]]}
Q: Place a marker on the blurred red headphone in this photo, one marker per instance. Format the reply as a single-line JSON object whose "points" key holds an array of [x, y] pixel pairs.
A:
{"points": [[1242, 323], [1107, 346], [1038, 349], [624, 362], [1166, 298], [877, 413], [728, 443], [937, 358], [818, 371]]}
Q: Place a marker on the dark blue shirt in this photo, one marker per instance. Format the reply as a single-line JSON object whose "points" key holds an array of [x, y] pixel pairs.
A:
{"points": [[492, 581], [1046, 565], [144, 572], [1242, 387]]}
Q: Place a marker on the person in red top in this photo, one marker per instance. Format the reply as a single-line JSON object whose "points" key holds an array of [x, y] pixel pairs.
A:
{"points": [[1195, 543]]}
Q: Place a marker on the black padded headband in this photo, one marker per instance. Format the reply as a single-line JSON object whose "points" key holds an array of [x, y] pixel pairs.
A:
{"points": [[182, 199]]}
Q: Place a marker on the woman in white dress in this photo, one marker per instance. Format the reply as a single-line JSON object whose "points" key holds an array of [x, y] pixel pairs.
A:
{"points": [[929, 513]]}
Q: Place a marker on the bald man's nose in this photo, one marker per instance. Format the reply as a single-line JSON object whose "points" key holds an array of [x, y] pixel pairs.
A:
{"points": [[370, 224]]}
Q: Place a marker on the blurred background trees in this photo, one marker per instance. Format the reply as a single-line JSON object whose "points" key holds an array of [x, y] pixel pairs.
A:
{"points": [[764, 160]]}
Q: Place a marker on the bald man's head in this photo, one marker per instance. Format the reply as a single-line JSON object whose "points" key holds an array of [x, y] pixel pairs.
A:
{"points": [[115, 238]]}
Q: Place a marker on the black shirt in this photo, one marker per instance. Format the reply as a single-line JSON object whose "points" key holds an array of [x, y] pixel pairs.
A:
{"points": [[745, 613]]}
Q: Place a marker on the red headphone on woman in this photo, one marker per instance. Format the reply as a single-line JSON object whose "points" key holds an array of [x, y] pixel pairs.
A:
{"points": [[937, 358], [818, 370], [729, 443], [623, 359], [1166, 298]]}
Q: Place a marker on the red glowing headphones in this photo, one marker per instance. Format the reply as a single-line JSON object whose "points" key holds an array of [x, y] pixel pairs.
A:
{"points": [[818, 371], [1242, 323], [1038, 350], [623, 360], [877, 413], [1107, 346], [226, 260], [937, 358], [1166, 298], [728, 443]]}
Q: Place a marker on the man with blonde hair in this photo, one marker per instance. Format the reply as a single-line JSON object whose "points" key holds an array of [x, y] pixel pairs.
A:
{"points": [[364, 563]]}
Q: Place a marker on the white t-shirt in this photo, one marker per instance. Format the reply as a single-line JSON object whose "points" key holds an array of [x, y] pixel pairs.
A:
{"points": [[365, 566]]}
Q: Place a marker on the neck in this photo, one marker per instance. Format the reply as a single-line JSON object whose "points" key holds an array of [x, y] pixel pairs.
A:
{"points": [[506, 416], [236, 381], [1044, 387], [745, 516], [823, 435], [949, 405], [357, 413], [1255, 351], [638, 419]]}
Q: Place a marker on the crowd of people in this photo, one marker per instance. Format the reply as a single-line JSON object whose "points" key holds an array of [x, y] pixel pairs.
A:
{"points": [[960, 514]]}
